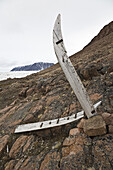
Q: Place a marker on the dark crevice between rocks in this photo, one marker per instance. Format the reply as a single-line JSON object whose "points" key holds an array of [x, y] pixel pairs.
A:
{"points": [[88, 154], [59, 164], [107, 128], [60, 151]]}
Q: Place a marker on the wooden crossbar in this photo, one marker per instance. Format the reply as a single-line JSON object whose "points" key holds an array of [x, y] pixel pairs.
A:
{"points": [[51, 123]]}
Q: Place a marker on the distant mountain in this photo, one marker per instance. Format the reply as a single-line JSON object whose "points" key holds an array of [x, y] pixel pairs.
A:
{"points": [[33, 67]]}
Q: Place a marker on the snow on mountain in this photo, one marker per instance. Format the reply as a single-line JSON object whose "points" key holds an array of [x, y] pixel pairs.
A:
{"points": [[33, 67]]}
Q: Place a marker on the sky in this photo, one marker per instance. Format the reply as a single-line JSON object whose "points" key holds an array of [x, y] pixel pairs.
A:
{"points": [[26, 28]]}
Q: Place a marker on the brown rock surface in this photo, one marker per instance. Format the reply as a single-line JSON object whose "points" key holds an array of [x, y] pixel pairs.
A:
{"points": [[110, 127], [73, 154], [95, 97], [108, 118], [102, 152], [81, 123], [89, 72], [47, 95], [20, 146], [95, 126], [3, 143], [10, 165], [74, 131], [23, 93], [68, 141], [88, 154], [51, 161]]}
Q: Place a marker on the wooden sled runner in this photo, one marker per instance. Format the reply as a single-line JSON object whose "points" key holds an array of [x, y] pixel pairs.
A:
{"points": [[51, 123], [88, 108]]}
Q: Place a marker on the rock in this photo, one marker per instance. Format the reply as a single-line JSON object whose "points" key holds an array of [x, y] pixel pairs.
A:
{"points": [[74, 132], [29, 118], [7, 115], [95, 126], [28, 143], [107, 118], [95, 96], [38, 109], [56, 145], [30, 163], [102, 152], [73, 156], [111, 100], [26, 163], [56, 130], [110, 68], [73, 107], [81, 123], [74, 144], [23, 93], [19, 163], [51, 99], [110, 128], [44, 133], [48, 89], [72, 150], [14, 102], [29, 91], [84, 153], [19, 143], [72, 162], [15, 123], [6, 109], [69, 141], [10, 165], [3, 143], [51, 161], [89, 72], [20, 146]]}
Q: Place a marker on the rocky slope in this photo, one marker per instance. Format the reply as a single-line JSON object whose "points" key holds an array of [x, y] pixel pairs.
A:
{"points": [[33, 67], [48, 95]]}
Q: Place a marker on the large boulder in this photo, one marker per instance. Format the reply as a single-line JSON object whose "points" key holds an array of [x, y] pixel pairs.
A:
{"points": [[95, 126]]}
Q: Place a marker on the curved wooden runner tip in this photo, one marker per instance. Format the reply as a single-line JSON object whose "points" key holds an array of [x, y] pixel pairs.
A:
{"points": [[70, 71]]}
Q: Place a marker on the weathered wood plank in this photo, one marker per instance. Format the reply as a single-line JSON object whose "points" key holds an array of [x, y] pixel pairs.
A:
{"points": [[70, 71], [51, 123]]}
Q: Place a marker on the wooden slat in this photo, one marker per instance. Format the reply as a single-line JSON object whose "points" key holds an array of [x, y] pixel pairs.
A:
{"points": [[70, 71], [51, 123]]}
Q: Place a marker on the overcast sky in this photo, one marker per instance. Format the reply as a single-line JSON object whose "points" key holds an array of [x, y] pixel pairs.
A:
{"points": [[26, 28]]}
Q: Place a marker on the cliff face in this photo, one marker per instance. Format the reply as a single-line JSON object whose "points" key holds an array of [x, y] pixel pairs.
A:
{"points": [[47, 95], [33, 67]]}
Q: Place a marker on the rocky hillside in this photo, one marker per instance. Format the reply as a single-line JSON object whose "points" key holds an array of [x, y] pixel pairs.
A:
{"points": [[47, 95], [33, 67]]}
